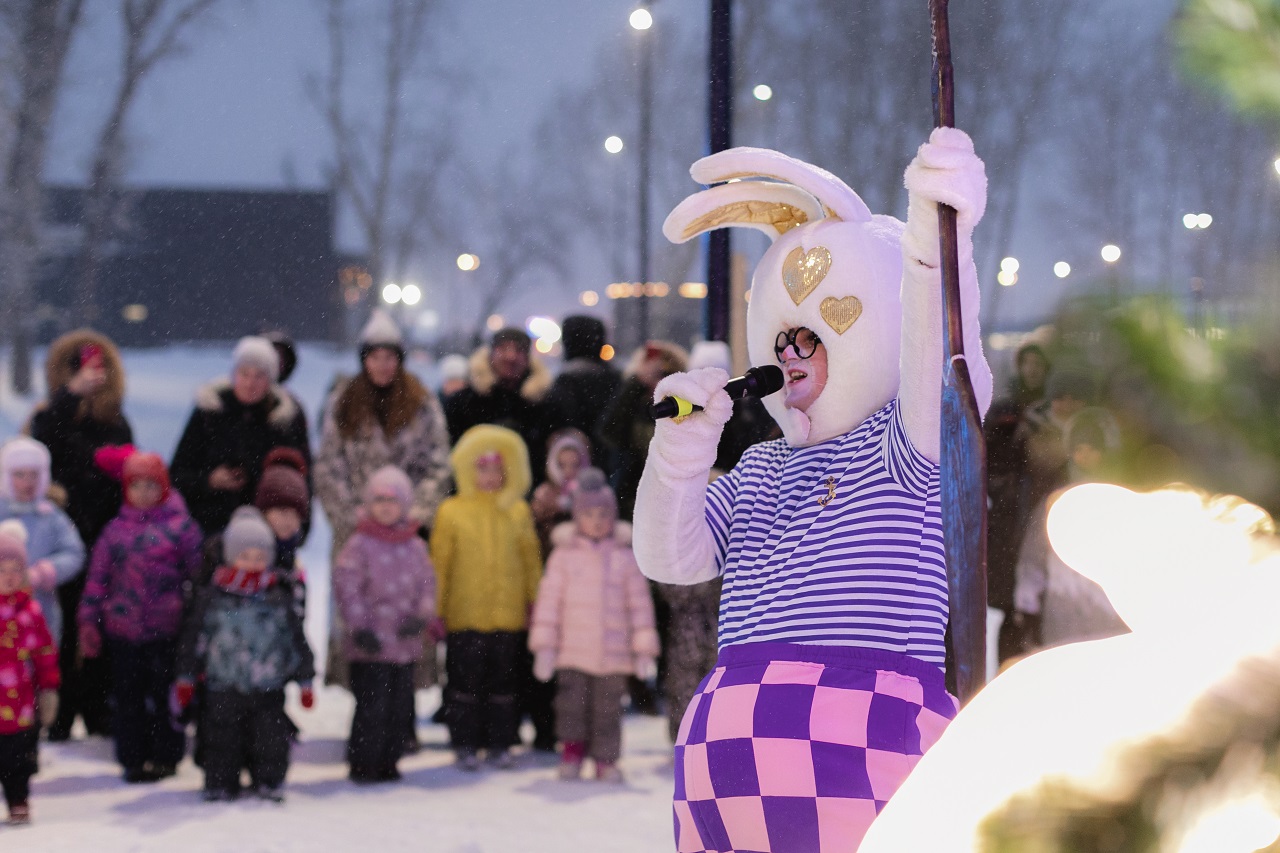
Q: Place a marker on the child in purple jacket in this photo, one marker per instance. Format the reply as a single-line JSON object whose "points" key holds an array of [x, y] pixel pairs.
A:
{"points": [[133, 602], [385, 587]]}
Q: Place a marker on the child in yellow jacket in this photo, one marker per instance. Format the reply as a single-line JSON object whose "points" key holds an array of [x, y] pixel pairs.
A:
{"points": [[488, 565]]}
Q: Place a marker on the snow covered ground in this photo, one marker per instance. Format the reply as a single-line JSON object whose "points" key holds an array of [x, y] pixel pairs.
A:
{"points": [[79, 802]]}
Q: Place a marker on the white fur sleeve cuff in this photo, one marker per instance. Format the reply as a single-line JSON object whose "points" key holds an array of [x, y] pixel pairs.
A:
{"points": [[671, 539]]}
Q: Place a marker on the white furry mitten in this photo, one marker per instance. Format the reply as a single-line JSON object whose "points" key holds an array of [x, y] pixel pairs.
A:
{"points": [[688, 445], [946, 170], [671, 540]]}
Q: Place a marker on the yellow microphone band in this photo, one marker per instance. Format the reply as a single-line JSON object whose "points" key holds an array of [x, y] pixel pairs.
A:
{"points": [[683, 407]]}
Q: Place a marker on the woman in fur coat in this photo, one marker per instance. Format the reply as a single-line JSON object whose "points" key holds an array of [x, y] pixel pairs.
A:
{"points": [[383, 416], [82, 414]]}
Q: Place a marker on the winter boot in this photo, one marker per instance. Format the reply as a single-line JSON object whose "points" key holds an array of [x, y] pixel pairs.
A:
{"points": [[503, 759], [270, 793], [19, 814], [139, 775], [607, 771], [571, 759], [218, 795]]}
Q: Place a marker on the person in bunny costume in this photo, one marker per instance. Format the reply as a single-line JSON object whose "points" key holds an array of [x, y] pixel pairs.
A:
{"points": [[829, 684]]}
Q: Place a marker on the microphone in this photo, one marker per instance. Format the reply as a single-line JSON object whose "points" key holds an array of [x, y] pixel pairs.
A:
{"points": [[756, 382]]}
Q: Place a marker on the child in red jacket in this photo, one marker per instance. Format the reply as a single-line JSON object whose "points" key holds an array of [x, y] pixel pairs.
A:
{"points": [[28, 673]]}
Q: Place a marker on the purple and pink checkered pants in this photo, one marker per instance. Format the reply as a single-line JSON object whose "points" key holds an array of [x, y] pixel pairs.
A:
{"points": [[795, 748]]}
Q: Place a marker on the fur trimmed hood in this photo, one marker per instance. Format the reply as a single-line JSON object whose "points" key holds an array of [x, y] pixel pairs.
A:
{"points": [[211, 397], [675, 358], [566, 533], [569, 437], [535, 385], [60, 366], [488, 438]]}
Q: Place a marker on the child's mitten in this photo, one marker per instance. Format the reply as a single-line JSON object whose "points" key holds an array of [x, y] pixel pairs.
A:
{"points": [[48, 701], [42, 575], [646, 668], [90, 641], [183, 692], [411, 626], [544, 665], [367, 641]]}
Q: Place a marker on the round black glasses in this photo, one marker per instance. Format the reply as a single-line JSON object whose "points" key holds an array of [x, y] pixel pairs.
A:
{"points": [[804, 341]]}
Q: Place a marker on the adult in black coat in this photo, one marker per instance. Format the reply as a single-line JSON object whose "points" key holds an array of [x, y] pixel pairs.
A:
{"points": [[233, 427], [586, 384], [83, 413], [508, 387]]}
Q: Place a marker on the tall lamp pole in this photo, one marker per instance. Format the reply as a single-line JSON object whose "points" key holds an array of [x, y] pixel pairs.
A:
{"points": [[642, 20], [719, 133]]}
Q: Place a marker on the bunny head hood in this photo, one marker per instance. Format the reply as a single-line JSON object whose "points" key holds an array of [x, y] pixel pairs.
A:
{"points": [[833, 268]]}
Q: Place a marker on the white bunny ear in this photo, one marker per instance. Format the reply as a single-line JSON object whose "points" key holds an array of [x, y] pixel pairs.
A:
{"points": [[766, 206], [833, 194]]}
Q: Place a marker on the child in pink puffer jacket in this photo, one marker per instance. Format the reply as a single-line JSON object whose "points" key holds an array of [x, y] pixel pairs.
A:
{"points": [[592, 627]]}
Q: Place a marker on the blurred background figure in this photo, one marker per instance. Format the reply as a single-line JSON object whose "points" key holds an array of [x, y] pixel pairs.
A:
{"points": [[586, 384], [82, 414]]}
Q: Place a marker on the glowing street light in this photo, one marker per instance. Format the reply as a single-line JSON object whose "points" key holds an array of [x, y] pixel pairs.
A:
{"points": [[391, 293], [762, 92], [468, 262], [613, 144], [1062, 269], [1007, 278], [1111, 253], [641, 19], [1276, 164], [1010, 265], [1197, 220], [410, 294], [589, 298], [494, 322]]}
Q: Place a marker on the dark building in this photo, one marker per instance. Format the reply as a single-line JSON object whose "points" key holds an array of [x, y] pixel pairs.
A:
{"points": [[199, 265]]}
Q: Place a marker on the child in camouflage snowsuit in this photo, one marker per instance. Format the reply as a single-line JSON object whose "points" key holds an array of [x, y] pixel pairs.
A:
{"points": [[244, 638]]}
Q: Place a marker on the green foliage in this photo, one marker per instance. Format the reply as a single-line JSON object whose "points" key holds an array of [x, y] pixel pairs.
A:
{"points": [[1233, 46], [1195, 410]]}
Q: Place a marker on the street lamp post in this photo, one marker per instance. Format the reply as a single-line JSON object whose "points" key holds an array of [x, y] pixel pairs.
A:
{"points": [[719, 133], [642, 20], [1198, 222], [1110, 254]]}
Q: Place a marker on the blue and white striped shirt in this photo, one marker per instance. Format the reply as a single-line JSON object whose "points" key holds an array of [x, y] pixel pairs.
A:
{"points": [[865, 569]]}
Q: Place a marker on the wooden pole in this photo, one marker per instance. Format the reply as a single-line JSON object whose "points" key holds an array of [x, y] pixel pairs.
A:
{"points": [[964, 453]]}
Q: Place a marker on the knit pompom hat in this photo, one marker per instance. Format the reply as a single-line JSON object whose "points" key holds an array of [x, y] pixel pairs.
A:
{"points": [[390, 481], [23, 454], [256, 351], [454, 366], [284, 482], [711, 354], [146, 466], [13, 541], [591, 491], [381, 331], [248, 529]]}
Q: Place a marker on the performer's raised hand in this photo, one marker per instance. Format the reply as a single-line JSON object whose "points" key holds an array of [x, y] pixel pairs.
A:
{"points": [[688, 444], [945, 170]]}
